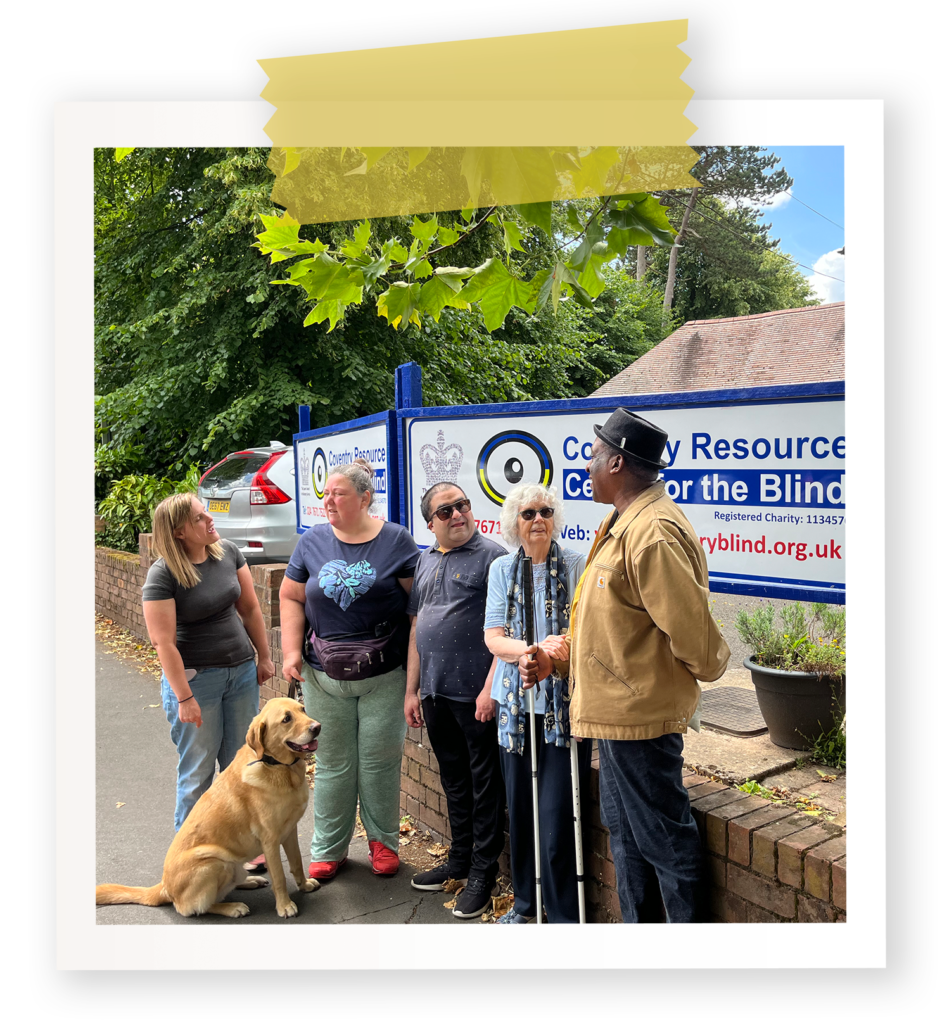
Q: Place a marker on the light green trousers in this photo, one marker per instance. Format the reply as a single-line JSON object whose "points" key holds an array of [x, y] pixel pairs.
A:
{"points": [[359, 754]]}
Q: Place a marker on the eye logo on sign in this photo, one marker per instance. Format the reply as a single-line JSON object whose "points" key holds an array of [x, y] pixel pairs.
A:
{"points": [[319, 472], [510, 458]]}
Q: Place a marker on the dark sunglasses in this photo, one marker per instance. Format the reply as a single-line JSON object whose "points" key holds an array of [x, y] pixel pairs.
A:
{"points": [[530, 513], [445, 511]]}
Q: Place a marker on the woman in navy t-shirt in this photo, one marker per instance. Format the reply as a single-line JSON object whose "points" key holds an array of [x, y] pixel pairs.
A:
{"points": [[350, 577]]}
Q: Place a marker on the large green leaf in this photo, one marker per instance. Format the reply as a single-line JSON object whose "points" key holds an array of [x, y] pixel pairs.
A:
{"points": [[495, 290], [525, 172], [398, 303], [473, 163], [442, 290], [417, 155], [594, 233], [330, 309], [590, 277], [578, 292], [513, 236], [376, 269], [373, 154], [424, 230], [592, 173], [329, 279], [538, 214], [646, 221], [448, 236]]}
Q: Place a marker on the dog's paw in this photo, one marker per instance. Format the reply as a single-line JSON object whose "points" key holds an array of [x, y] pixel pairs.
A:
{"points": [[253, 882], [309, 885], [290, 909], [236, 910]]}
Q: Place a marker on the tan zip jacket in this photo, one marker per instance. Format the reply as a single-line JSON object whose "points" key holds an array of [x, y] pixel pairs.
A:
{"points": [[642, 633]]}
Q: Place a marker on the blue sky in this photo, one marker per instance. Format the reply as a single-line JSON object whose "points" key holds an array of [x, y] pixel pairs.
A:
{"points": [[805, 235]]}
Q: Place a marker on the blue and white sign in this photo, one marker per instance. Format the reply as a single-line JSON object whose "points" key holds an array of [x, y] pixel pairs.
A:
{"points": [[319, 453], [762, 479]]}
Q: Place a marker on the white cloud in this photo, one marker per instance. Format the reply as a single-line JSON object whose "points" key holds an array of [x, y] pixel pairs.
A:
{"points": [[775, 202], [826, 288]]}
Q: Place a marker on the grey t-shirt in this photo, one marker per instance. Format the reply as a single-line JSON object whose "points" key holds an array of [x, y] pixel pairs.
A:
{"points": [[210, 633]]}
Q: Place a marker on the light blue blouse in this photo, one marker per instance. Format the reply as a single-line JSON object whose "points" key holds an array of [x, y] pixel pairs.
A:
{"points": [[496, 611]]}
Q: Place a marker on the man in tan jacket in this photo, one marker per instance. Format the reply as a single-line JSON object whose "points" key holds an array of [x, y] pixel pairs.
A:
{"points": [[641, 636]]}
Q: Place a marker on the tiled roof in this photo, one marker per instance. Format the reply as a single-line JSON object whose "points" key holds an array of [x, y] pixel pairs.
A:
{"points": [[788, 346]]}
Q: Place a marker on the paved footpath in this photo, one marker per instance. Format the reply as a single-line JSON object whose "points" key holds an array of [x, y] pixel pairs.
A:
{"points": [[136, 769]]}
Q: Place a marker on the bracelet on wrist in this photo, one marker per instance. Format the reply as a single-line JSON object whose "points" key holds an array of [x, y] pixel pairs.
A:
{"points": [[185, 699]]}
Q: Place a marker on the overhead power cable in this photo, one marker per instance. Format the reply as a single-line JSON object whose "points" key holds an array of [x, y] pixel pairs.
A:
{"points": [[752, 241], [813, 210]]}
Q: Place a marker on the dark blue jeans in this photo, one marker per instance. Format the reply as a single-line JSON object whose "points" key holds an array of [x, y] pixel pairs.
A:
{"points": [[654, 839]]}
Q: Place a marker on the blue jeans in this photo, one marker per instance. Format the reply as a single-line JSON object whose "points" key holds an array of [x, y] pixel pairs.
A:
{"points": [[228, 700], [654, 839]]}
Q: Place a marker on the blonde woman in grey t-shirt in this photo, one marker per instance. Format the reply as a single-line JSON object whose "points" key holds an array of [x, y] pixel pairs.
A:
{"points": [[204, 620]]}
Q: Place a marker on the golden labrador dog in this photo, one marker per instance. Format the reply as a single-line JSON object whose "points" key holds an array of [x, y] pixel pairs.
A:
{"points": [[253, 807]]}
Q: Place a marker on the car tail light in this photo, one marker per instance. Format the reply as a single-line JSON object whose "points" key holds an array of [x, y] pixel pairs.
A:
{"points": [[255, 544], [263, 491]]}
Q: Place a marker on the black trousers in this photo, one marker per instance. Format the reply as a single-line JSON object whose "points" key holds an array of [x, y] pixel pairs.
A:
{"points": [[466, 750], [557, 834]]}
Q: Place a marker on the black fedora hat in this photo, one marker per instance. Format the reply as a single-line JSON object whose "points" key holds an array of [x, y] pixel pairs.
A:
{"points": [[634, 436]]}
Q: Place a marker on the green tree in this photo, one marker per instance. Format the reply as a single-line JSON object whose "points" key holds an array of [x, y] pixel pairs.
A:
{"points": [[733, 181], [728, 266], [197, 353]]}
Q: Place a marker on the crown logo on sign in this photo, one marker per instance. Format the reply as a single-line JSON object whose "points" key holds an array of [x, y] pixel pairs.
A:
{"points": [[441, 464], [305, 466]]}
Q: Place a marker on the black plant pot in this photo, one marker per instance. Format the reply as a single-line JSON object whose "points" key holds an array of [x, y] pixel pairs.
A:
{"points": [[797, 706]]}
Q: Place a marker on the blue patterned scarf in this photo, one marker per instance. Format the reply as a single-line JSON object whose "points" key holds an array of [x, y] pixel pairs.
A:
{"points": [[511, 723]]}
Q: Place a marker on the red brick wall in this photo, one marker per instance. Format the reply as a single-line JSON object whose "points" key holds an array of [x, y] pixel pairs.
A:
{"points": [[119, 578], [766, 863]]}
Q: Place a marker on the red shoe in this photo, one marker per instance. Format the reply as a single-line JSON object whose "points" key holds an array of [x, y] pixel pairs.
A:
{"points": [[384, 861], [324, 870]]}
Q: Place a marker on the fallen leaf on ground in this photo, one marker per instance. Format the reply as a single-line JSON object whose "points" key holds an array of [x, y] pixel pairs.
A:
{"points": [[437, 850], [450, 905], [499, 906], [120, 803], [452, 885], [150, 706]]}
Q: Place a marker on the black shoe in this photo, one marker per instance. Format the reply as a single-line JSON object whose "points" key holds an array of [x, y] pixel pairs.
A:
{"points": [[476, 898], [435, 879]]}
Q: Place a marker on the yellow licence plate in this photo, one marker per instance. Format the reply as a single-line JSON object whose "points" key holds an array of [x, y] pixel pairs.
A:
{"points": [[218, 505]]}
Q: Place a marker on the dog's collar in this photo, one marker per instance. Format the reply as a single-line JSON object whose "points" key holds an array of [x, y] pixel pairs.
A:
{"points": [[268, 759]]}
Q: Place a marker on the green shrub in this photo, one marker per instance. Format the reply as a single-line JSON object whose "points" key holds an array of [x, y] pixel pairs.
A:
{"points": [[127, 507], [802, 643]]}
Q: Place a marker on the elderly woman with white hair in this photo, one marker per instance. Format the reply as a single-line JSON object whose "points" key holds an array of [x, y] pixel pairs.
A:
{"points": [[532, 520]]}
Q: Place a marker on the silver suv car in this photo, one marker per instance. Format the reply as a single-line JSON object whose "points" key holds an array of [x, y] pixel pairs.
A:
{"points": [[250, 495]]}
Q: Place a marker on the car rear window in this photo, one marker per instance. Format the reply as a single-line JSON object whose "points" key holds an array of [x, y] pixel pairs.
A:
{"points": [[235, 472]]}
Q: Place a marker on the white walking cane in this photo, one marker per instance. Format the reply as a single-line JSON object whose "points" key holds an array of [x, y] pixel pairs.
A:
{"points": [[577, 821], [526, 564]]}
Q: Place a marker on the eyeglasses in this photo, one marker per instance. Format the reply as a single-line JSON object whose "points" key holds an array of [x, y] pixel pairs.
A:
{"points": [[445, 511], [530, 513]]}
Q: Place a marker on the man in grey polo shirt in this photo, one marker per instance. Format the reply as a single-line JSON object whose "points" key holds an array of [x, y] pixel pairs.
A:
{"points": [[449, 670]]}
